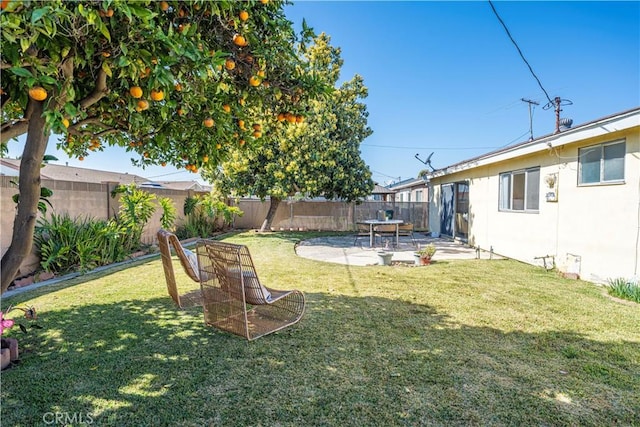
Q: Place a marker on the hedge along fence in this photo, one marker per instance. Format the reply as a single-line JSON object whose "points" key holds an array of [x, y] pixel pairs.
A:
{"points": [[81, 199]]}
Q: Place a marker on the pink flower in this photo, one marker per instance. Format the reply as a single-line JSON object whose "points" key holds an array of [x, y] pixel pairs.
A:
{"points": [[5, 323]]}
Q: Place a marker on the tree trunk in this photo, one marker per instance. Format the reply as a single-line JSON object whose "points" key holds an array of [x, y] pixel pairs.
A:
{"points": [[29, 187], [273, 207]]}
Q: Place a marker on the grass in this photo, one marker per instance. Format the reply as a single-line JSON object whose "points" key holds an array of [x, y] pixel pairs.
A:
{"points": [[471, 343]]}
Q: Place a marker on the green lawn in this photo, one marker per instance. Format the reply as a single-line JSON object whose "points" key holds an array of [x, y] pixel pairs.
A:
{"points": [[455, 343]]}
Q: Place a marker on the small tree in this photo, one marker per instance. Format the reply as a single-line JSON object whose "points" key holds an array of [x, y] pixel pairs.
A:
{"points": [[315, 154]]}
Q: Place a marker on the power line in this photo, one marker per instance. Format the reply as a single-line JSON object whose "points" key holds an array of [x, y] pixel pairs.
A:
{"points": [[519, 51], [425, 148]]}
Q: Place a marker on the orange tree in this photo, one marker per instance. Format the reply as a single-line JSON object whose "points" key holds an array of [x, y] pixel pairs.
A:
{"points": [[174, 82], [308, 154]]}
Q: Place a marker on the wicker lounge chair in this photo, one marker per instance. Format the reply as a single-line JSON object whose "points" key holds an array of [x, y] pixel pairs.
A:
{"points": [[191, 298], [235, 301]]}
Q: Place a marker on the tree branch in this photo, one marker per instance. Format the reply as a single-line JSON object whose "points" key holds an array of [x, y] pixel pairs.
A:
{"points": [[20, 127], [99, 92]]}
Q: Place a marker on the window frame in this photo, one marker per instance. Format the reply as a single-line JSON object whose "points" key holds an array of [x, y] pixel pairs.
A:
{"points": [[582, 151], [526, 197]]}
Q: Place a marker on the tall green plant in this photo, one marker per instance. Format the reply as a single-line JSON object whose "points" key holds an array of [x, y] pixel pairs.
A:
{"points": [[136, 209], [168, 218]]}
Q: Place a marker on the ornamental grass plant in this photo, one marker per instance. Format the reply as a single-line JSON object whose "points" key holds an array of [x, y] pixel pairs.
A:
{"points": [[473, 343]]}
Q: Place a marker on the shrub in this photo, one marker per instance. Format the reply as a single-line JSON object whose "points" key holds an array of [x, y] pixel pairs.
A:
{"points": [[65, 244], [625, 288], [205, 215]]}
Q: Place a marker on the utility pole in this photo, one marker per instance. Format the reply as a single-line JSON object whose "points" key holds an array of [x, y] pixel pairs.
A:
{"points": [[530, 102]]}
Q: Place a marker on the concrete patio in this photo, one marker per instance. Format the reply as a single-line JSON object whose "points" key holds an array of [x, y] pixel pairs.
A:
{"points": [[347, 250]]}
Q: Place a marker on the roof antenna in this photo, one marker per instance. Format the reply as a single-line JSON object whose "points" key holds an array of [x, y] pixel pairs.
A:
{"points": [[557, 102], [530, 102], [426, 162]]}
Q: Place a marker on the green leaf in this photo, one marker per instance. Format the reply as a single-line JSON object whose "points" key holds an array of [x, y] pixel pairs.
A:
{"points": [[39, 13], [70, 109], [48, 158], [45, 192], [104, 30], [25, 44], [106, 69], [123, 61], [48, 80], [142, 13], [22, 72]]}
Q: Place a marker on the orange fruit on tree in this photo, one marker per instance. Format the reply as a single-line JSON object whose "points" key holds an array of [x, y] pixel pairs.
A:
{"points": [[164, 6], [226, 108], [244, 15], [4, 4], [135, 91], [299, 118], [143, 104], [208, 122], [241, 124], [241, 101], [281, 117], [239, 40], [81, 158], [157, 95], [290, 118], [38, 93], [264, 1], [163, 164], [109, 12], [261, 73], [178, 87], [205, 158], [254, 81], [230, 64], [65, 122], [218, 146], [241, 142], [256, 126], [257, 134]]}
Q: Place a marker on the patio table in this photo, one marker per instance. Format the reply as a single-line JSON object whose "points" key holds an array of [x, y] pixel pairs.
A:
{"points": [[374, 222]]}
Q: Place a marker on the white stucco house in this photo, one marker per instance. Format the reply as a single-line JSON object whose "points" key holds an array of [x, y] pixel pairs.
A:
{"points": [[572, 197]]}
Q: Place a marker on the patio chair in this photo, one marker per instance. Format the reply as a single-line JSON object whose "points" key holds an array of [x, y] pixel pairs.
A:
{"points": [[188, 260], [362, 231], [235, 300], [386, 230], [406, 229]]}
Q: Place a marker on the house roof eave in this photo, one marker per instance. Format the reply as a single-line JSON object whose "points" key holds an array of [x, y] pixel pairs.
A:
{"points": [[603, 126]]}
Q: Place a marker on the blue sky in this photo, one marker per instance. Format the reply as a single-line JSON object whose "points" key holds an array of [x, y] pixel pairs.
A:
{"points": [[443, 77]]}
